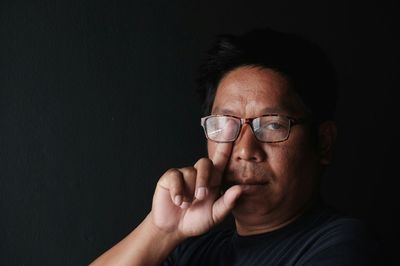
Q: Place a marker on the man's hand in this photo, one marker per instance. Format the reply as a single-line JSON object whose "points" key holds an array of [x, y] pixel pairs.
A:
{"points": [[187, 201]]}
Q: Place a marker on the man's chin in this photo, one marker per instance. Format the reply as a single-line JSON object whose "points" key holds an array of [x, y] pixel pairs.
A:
{"points": [[253, 200], [248, 189], [246, 211]]}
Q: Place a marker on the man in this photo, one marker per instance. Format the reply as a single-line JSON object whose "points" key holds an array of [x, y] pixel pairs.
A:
{"points": [[269, 99]]}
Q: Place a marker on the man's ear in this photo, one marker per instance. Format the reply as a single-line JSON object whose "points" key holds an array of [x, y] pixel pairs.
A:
{"points": [[327, 132]]}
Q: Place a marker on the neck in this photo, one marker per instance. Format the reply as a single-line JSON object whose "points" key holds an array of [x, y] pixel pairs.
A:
{"points": [[275, 219]]}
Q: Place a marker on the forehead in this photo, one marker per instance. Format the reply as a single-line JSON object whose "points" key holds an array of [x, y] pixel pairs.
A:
{"points": [[251, 91]]}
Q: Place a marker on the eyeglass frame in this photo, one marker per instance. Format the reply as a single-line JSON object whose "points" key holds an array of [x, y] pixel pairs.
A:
{"points": [[292, 122]]}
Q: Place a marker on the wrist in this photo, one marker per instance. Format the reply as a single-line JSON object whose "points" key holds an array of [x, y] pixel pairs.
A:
{"points": [[168, 234]]}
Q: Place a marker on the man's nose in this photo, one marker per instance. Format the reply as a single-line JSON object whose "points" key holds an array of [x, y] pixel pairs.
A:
{"points": [[247, 147]]}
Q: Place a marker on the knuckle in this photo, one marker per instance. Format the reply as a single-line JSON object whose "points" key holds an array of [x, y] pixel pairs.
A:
{"points": [[172, 173], [204, 162], [190, 171]]}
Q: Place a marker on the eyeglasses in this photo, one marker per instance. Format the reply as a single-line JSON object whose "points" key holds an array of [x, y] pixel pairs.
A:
{"points": [[269, 128]]}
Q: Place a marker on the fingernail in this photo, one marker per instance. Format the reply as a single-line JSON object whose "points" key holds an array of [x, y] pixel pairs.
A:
{"points": [[178, 200], [201, 193], [185, 205]]}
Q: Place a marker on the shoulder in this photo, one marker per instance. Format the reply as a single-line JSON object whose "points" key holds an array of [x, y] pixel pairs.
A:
{"points": [[331, 226], [337, 239]]}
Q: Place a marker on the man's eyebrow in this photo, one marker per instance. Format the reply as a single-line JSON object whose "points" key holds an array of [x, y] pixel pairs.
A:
{"points": [[222, 111]]}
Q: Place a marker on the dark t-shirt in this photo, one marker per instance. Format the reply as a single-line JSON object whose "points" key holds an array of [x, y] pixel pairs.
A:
{"points": [[320, 237]]}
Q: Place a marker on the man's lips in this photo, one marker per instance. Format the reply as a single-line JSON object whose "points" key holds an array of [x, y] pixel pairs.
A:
{"points": [[249, 180], [246, 176], [253, 189], [247, 183]]}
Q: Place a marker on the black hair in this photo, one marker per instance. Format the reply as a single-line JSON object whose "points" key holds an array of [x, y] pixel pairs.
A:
{"points": [[302, 62]]}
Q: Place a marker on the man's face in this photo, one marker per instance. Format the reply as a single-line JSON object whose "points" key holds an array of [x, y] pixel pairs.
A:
{"points": [[282, 176]]}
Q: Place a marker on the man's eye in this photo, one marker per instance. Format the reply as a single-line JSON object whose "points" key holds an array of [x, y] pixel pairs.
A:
{"points": [[273, 126]]}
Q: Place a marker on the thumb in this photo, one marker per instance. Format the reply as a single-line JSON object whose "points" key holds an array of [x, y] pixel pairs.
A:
{"points": [[225, 203]]}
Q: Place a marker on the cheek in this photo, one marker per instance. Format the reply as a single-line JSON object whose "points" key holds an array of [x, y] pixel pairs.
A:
{"points": [[292, 162], [280, 159]]}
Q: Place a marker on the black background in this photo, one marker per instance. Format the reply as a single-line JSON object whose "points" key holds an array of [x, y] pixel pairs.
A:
{"points": [[97, 101]]}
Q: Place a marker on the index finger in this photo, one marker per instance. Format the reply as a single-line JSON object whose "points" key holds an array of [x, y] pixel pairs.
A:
{"points": [[220, 159], [223, 151]]}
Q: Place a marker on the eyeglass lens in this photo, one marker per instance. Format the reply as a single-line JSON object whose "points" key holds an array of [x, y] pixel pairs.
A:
{"points": [[265, 128]]}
